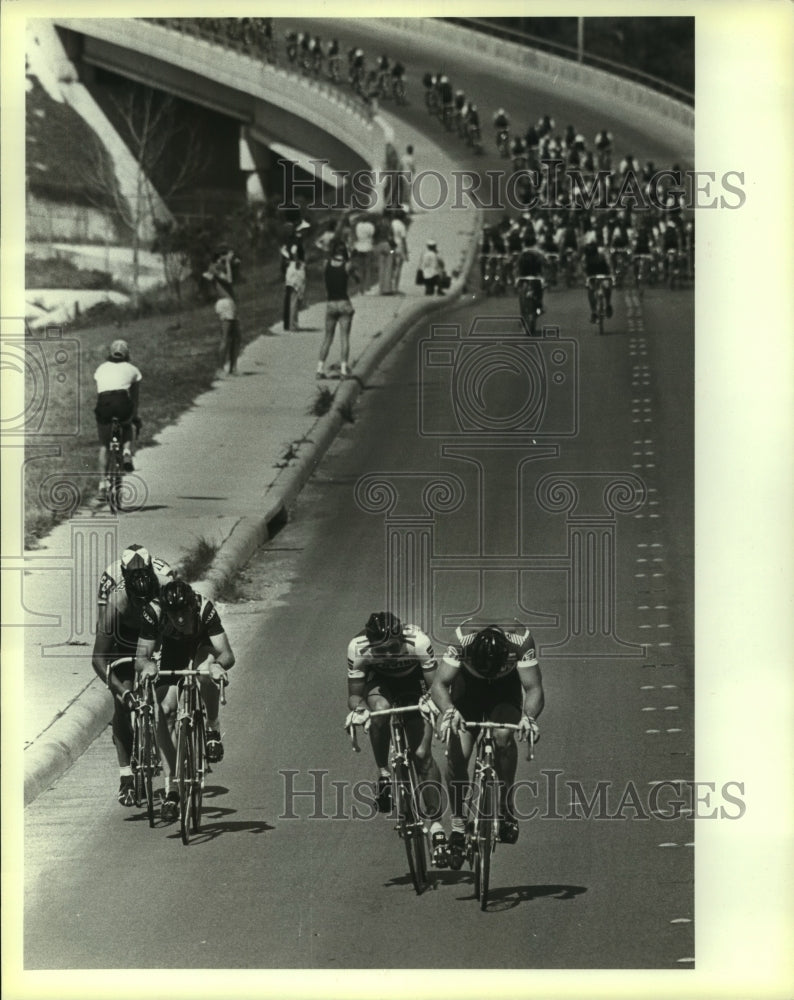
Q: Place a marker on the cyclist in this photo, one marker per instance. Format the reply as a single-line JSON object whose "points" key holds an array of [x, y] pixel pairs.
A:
{"points": [[603, 145], [459, 106], [389, 664], [489, 675], [473, 124], [192, 637], [125, 587], [397, 78], [117, 382], [333, 58], [501, 124], [595, 264], [446, 97], [531, 263]]}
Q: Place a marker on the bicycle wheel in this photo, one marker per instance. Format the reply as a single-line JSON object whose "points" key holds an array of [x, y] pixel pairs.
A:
{"points": [[484, 842], [184, 771], [199, 756], [601, 309], [136, 759], [148, 757], [410, 827]]}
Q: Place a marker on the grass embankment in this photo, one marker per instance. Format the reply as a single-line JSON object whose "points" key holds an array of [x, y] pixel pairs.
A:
{"points": [[178, 362]]}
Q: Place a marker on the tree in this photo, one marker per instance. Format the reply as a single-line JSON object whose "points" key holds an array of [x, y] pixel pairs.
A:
{"points": [[147, 123]]}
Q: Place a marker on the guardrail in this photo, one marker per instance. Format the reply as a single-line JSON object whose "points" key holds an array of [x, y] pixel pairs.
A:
{"points": [[204, 28], [567, 52]]}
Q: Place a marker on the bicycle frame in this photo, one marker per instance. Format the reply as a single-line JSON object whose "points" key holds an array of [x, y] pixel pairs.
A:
{"points": [[407, 798], [483, 805], [528, 299], [600, 282], [145, 757], [191, 748]]}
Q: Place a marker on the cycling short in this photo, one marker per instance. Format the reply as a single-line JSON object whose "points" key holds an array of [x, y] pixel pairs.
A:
{"points": [[109, 405], [476, 698], [405, 690], [182, 654]]}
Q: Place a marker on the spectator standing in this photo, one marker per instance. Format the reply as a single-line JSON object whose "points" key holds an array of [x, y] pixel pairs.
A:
{"points": [[399, 233], [339, 309], [226, 311], [432, 267], [385, 253], [407, 167], [296, 289], [363, 244]]}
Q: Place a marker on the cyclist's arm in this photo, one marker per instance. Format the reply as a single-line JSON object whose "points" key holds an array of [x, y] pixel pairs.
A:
{"points": [[356, 678], [103, 653], [532, 684], [144, 662], [224, 656], [442, 683], [134, 388]]}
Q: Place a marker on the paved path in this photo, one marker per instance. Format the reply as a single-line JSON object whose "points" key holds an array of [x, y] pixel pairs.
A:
{"points": [[225, 471]]}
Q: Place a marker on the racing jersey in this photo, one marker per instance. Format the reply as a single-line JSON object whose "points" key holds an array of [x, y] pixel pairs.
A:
{"points": [[530, 263], [155, 623], [124, 616], [521, 656], [415, 651], [112, 578]]}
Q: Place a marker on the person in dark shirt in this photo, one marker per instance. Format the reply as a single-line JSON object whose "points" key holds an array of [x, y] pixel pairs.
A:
{"points": [[339, 309]]}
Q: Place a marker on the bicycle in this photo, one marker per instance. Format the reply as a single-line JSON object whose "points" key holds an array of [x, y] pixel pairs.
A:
{"points": [[406, 795], [191, 748], [114, 467], [529, 288], [644, 271], [482, 828], [398, 90], [145, 756], [601, 283]]}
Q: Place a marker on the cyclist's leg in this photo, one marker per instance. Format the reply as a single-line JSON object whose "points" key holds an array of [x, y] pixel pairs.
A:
{"points": [[127, 445], [103, 434], [379, 697], [121, 725], [211, 695], [505, 706]]}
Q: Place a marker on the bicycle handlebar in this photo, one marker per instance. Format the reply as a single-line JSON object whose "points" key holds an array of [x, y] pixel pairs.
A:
{"points": [[489, 726], [402, 710], [222, 681]]}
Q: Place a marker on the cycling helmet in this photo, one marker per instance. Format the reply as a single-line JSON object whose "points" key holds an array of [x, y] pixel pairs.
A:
{"points": [[383, 628], [138, 573], [119, 350], [179, 602], [490, 649], [177, 595]]}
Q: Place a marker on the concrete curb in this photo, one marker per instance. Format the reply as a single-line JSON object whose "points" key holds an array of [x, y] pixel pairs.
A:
{"points": [[67, 739], [92, 711]]}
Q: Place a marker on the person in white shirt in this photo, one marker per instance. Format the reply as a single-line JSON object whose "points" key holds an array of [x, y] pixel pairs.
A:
{"points": [[226, 311], [117, 383], [399, 234], [296, 283], [363, 245]]}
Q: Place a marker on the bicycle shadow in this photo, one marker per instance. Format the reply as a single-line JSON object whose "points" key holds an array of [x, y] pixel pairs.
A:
{"points": [[214, 825], [509, 897]]}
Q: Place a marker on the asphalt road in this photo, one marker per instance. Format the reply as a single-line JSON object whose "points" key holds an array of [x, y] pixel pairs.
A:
{"points": [[259, 889]]}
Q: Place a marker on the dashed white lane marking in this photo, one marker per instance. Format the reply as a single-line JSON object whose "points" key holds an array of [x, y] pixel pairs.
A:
{"points": [[672, 708], [674, 730], [681, 920], [686, 961], [669, 687], [653, 730], [668, 843], [649, 708], [647, 687]]}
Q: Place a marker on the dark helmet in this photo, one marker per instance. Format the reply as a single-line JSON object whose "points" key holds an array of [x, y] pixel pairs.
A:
{"points": [[383, 628], [489, 651], [138, 573], [177, 595]]}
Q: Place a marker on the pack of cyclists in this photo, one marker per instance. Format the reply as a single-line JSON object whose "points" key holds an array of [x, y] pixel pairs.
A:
{"points": [[489, 674], [153, 621]]}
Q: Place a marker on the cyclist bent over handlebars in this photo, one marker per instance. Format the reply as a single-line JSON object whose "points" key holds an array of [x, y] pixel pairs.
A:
{"points": [[193, 638], [488, 675], [392, 664]]}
